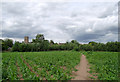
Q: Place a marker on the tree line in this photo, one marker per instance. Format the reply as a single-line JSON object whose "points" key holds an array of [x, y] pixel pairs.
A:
{"points": [[40, 44]]}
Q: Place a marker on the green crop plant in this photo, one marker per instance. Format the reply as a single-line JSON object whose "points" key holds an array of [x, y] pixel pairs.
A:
{"points": [[105, 64], [50, 65]]}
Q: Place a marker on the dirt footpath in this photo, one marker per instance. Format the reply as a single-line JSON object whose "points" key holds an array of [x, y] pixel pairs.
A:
{"points": [[82, 68]]}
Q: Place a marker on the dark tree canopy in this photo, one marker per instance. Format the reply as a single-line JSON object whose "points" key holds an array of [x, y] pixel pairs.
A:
{"points": [[40, 44], [51, 42], [6, 44], [39, 38]]}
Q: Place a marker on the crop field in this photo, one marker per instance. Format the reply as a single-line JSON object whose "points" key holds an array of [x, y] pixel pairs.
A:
{"points": [[103, 64], [0, 66], [52, 65], [57, 65]]}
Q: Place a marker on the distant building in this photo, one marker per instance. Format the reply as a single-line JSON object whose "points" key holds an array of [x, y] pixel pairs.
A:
{"points": [[26, 39]]}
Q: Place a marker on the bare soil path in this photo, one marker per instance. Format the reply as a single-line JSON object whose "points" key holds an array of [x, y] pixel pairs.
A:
{"points": [[83, 68]]}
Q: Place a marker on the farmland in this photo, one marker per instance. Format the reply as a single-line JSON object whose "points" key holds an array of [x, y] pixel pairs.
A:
{"points": [[52, 65], [57, 65], [0, 66], [104, 64]]}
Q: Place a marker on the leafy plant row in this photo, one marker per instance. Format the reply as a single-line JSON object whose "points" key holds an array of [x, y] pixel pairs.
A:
{"points": [[10, 69], [55, 65], [105, 64]]}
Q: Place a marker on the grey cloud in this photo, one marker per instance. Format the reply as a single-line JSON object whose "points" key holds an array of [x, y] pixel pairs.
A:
{"points": [[88, 37], [14, 9], [60, 21], [111, 10]]}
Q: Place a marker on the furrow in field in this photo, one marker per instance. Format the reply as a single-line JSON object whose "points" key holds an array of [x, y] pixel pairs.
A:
{"points": [[34, 65], [19, 74], [42, 65], [30, 67]]}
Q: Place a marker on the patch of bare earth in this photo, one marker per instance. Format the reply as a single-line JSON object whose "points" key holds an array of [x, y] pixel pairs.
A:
{"points": [[63, 67], [19, 74], [82, 73], [93, 75]]}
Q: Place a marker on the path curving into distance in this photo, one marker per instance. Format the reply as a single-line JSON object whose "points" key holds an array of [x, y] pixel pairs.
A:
{"points": [[83, 67]]}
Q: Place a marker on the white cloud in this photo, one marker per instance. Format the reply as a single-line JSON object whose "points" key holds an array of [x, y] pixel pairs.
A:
{"points": [[88, 30], [60, 0]]}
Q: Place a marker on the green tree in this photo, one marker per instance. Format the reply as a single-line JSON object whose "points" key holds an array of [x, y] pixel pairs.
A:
{"points": [[23, 47], [16, 46], [0, 45], [75, 42], [4, 46], [118, 46], [45, 45], [8, 42], [39, 38], [51, 42]]}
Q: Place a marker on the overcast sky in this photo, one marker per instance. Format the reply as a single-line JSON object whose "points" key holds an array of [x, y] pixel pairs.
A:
{"points": [[61, 21]]}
